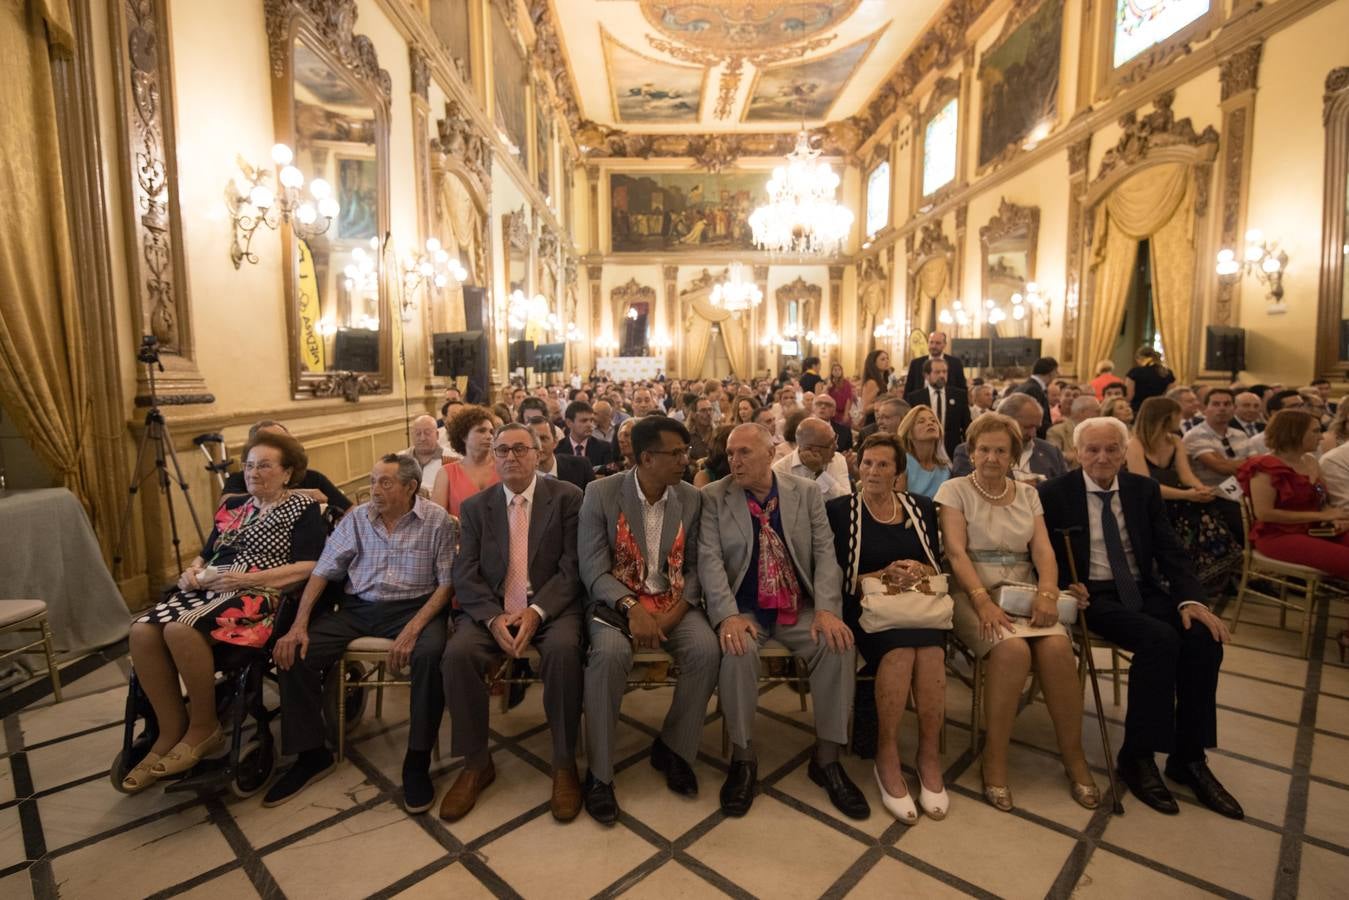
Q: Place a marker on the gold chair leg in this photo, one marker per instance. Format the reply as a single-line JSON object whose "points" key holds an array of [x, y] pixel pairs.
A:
{"points": [[802, 680], [1309, 610], [341, 709], [1241, 598], [379, 692], [976, 703], [53, 672]]}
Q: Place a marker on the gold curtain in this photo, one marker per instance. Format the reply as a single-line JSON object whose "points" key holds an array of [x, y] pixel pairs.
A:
{"points": [[1145, 206], [697, 335], [934, 291], [43, 371], [459, 235]]}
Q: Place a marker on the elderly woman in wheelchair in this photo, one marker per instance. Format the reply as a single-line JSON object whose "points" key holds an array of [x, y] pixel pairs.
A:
{"points": [[262, 543]]}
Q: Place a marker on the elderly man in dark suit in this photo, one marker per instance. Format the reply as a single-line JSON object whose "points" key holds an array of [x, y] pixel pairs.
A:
{"points": [[950, 404], [768, 570], [639, 564], [1042, 374], [1121, 539], [936, 349], [517, 582], [1040, 460]]}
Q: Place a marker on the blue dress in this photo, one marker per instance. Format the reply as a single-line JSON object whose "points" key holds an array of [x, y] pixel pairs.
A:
{"points": [[924, 482]]}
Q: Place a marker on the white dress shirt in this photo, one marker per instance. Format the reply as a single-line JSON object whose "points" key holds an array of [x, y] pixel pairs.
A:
{"points": [[1335, 474], [653, 523], [528, 494], [833, 481], [936, 397], [1099, 567]]}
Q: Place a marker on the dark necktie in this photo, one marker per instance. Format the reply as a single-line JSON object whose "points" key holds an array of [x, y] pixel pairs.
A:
{"points": [[1119, 560], [580, 449], [941, 408]]}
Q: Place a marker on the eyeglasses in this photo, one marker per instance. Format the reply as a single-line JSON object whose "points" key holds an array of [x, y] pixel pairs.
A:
{"points": [[517, 450], [820, 447], [677, 453], [260, 466]]}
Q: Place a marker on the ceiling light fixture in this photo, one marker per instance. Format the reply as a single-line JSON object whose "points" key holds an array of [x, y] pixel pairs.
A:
{"points": [[736, 293], [801, 216]]}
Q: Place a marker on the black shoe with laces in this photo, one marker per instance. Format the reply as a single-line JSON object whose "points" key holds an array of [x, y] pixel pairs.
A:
{"points": [[600, 801], [309, 767]]}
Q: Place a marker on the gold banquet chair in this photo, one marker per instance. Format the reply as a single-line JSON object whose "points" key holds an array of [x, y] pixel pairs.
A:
{"points": [[30, 616], [1288, 576]]}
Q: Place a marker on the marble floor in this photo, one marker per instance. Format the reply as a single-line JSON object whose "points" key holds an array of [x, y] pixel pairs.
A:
{"points": [[1284, 728]]}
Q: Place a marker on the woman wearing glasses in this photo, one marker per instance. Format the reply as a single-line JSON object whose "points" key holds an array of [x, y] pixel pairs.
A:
{"points": [[264, 542], [470, 431]]}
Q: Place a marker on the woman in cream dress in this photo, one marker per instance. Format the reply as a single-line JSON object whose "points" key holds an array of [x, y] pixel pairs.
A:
{"points": [[993, 530]]}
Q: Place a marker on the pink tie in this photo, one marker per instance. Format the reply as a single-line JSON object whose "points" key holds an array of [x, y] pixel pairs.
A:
{"points": [[517, 571]]}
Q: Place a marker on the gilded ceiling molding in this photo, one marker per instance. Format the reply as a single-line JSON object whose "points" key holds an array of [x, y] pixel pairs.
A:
{"points": [[335, 21], [734, 63], [550, 59], [712, 151]]}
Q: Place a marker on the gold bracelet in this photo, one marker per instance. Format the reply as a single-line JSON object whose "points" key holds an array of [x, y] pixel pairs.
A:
{"points": [[976, 593], [1048, 595]]}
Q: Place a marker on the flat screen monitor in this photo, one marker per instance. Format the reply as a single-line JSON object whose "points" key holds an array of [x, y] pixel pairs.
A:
{"points": [[548, 357], [455, 353], [973, 353], [356, 350], [1015, 353]]}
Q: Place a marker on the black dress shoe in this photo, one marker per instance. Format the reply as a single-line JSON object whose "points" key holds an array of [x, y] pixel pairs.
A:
{"points": [[842, 792], [600, 800], [679, 775], [1142, 777], [1207, 789], [738, 792]]}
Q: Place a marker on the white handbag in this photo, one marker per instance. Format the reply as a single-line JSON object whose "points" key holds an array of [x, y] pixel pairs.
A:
{"points": [[927, 605], [1018, 599]]}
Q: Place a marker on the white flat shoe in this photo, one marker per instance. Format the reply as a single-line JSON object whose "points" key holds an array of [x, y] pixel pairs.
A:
{"points": [[901, 808], [934, 803]]}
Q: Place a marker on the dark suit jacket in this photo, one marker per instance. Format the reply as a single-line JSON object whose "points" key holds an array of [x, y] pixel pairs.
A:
{"points": [[599, 527], [1032, 388], [573, 470], [1045, 459], [842, 437], [957, 414], [484, 551], [597, 451], [1156, 548], [955, 374]]}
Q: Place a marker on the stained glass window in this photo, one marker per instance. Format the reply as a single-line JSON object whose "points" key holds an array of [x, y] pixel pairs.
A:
{"points": [[1141, 23], [939, 148], [878, 198]]}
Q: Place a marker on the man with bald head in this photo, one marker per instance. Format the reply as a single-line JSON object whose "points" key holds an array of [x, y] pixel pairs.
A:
{"points": [[815, 458], [1248, 409], [426, 450], [604, 421], [768, 571], [1111, 528], [936, 349], [824, 408]]}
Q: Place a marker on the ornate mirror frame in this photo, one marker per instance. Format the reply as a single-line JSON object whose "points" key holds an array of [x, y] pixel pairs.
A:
{"points": [[325, 26], [932, 246], [1013, 226], [1330, 303]]}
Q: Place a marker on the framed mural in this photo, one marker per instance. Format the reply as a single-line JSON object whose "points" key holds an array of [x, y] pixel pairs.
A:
{"points": [[510, 85], [451, 23], [660, 212], [940, 136], [878, 198], [805, 90], [643, 89], [357, 197], [1019, 82], [1139, 24]]}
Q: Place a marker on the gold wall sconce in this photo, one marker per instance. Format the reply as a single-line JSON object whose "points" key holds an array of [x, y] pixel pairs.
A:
{"points": [[253, 203], [1260, 258]]}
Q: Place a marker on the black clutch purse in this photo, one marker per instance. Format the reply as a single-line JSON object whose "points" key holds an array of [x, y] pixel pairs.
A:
{"points": [[609, 617]]}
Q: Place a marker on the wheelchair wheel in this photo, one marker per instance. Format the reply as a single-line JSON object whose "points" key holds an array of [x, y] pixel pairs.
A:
{"points": [[118, 771], [354, 694], [257, 763]]}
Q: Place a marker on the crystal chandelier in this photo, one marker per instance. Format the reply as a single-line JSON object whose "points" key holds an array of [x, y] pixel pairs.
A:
{"points": [[801, 216], [736, 294]]}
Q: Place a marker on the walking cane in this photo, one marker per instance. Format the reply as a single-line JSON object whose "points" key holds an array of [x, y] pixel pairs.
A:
{"points": [[1085, 639]]}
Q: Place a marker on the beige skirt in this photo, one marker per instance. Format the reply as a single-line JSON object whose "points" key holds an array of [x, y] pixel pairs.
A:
{"points": [[966, 624]]}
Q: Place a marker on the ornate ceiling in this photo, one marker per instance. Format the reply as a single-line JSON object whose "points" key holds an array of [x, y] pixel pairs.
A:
{"points": [[666, 67]]}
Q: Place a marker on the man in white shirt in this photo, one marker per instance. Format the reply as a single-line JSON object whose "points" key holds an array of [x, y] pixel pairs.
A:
{"points": [[1335, 475], [426, 450], [814, 458], [1217, 450]]}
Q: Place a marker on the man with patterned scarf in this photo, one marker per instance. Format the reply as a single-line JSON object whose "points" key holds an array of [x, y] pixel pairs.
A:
{"points": [[638, 538], [768, 571]]}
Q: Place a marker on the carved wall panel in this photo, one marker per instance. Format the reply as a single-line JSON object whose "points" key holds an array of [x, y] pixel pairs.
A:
{"points": [[1238, 75]]}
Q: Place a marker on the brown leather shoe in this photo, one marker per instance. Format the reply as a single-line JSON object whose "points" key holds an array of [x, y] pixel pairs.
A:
{"points": [[461, 796], [566, 802]]}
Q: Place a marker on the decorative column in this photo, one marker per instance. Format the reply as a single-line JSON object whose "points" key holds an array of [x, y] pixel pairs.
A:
{"points": [[958, 265], [1238, 75], [759, 318], [835, 313], [420, 68], [594, 274], [593, 180], [1078, 154], [896, 313], [671, 315]]}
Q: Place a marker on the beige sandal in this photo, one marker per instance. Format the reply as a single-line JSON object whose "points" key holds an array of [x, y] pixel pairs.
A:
{"points": [[140, 777], [183, 756]]}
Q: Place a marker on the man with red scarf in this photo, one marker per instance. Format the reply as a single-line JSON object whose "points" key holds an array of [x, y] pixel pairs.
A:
{"points": [[638, 534]]}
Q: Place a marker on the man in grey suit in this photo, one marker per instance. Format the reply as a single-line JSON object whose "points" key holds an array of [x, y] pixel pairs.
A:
{"points": [[767, 566], [1040, 460], [517, 583], [639, 563]]}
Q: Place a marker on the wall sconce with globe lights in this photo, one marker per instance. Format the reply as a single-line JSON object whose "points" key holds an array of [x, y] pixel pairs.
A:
{"points": [[1033, 304], [1261, 258], [607, 344], [253, 202], [430, 270], [957, 317], [661, 343]]}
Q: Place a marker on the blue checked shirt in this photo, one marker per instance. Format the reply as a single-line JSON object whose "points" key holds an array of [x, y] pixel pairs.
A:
{"points": [[379, 566]]}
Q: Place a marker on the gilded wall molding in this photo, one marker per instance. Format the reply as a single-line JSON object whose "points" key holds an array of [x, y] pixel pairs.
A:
{"points": [[1238, 75], [1331, 289], [420, 68], [1156, 130], [335, 21], [1240, 71]]}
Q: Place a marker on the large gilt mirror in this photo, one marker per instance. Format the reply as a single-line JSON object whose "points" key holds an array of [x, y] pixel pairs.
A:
{"points": [[519, 290], [330, 102], [1008, 246], [1333, 318]]}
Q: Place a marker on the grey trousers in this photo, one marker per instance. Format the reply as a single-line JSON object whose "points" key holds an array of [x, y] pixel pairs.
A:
{"points": [[471, 650], [302, 684], [831, 682], [693, 645]]}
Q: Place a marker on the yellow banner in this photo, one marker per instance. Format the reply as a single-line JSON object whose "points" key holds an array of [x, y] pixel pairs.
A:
{"points": [[311, 339]]}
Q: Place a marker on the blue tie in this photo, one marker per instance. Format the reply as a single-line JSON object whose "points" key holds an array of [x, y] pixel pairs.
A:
{"points": [[1129, 594]]}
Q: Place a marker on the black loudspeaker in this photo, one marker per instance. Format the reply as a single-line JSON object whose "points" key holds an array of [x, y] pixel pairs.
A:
{"points": [[475, 298], [548, 357], [356, 350], [455, 353], [521, 355], [1225, 349], [1015, 353]]}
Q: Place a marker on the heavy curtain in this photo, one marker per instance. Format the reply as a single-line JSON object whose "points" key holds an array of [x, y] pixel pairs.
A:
{"points": [[43, 371], [698, 334], [1153, 205], [459, 234], [934, 291]]}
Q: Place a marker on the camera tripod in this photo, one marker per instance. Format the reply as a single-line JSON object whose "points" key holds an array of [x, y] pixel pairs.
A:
{"points": [[156, 433]]}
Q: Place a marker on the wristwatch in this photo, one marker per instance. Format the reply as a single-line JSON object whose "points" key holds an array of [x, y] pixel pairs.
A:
{"points": [[626, 604]]}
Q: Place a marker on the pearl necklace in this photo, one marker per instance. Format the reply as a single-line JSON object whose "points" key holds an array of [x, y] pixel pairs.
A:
{"points": [[1006, 487], [888, 520]]}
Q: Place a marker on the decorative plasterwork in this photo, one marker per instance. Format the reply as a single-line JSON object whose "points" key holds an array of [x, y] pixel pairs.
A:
{"points": [[551, 61], [1159, 128], [744, 27], [420, 68], [734, 64], [458, 137], [1238, 75], [625, 295], [931, 243], [1078, 152], [712, 151], [703, 282], [1011, 221], [347, 385], [1337, 82], [1239, 72], [334, 21], [515, 227], [1330, 295]]}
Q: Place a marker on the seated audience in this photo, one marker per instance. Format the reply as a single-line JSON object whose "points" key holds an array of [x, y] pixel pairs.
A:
{"points": [[638, 540], [815, 458], [605, 422], [394, 554], [825, 409], [470, 431], [1118, 408], [426, 450], [874, 537], [1111, 527], [313, 483], [698, 420], [926, 465], [1289, 499], [1190, 407], [1061, 435], [571, 469], [743, 411], [1334, 465], [1247, 414], [261, 544], [1105, 374], [1216, 451], [993, 529], [948, 402], [1112, 390], [1278, 399], [578, 441], [766, 417], [513, 595], [1155, 451], [981, 400], [1337, 429], [889, 413], [1039, 459], [772, 574], [716, 465]]}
